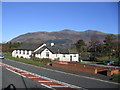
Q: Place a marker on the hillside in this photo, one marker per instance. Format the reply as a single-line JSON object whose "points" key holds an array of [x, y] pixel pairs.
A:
{"points": [[59, 37]]}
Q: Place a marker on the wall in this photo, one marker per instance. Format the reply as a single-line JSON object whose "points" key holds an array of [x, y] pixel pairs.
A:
{"points": [[27, 54], [43, 54], [86, 68], [67, 57], [62, 57], [111, 72], [75, 67]]}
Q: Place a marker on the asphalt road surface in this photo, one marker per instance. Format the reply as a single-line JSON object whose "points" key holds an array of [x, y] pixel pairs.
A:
{"points": [[80, 81], [18, 81]]}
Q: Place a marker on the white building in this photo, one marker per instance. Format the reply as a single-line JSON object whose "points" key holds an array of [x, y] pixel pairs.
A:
{"points": [[44, 51]]}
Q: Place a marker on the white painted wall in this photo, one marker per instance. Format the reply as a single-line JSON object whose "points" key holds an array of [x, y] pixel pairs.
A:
{"points": [[55, 56], [26, 54], [43, 54], [66, 57], [75, 57]]}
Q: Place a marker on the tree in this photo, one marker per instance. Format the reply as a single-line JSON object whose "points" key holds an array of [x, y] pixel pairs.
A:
{"points": [[109, 44], [95, 47], [9, 47], [80, 45], [116, 49]]}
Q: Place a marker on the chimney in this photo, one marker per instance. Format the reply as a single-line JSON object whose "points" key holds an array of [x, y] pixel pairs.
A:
{"points": [[52, 44]]}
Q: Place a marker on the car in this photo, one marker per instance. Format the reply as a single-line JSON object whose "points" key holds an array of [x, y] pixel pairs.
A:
{"points": [[108, 62], [1, 57]]}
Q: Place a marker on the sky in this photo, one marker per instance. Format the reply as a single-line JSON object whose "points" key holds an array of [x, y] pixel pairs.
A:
{"points": [[24, 17]]}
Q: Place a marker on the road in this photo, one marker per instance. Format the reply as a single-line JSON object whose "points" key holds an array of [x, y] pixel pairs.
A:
{"points": [[79, 81], [18, 81]]}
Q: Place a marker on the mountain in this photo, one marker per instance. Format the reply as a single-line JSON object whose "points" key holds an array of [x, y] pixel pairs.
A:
{"points": [[59, 37]]}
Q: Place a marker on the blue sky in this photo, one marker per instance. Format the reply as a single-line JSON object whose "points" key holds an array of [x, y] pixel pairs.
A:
{"points": [[23, 17]]}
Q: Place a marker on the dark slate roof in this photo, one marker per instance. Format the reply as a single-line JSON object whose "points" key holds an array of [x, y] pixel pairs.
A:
{"points": [[28, 46], [58, 50], [72, 51], [40, 50], [55, 50]]}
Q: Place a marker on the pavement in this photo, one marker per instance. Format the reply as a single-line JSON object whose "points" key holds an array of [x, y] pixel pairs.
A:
{"points": [[69, 78]]}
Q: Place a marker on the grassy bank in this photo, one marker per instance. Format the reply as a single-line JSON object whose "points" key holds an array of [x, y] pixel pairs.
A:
{"points": [[107, 58], [116, 77], [27, 61]]}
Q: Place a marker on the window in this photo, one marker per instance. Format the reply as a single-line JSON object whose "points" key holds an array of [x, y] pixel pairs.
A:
{"points": [[47, 54], [63, 55], [27, 52], [74, 55], [23, 52], [16, 52], [19, 52]]}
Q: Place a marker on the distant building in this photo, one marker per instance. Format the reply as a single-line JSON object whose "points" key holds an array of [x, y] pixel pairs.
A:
{"points": [[45, 51]]}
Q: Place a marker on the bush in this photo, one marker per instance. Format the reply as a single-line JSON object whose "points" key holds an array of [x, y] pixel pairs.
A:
{"points": [[107, 58], [116, 77], [43, 60], [93, 59], [102, 58], [35, 59], [114, 59]]}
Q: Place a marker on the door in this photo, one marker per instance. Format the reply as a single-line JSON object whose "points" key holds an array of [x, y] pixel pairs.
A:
{"points": [[70, 58]]}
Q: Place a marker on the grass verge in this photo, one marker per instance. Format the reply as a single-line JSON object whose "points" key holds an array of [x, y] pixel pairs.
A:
{"points": [[116, 77], [107, 58], [27, 61]]}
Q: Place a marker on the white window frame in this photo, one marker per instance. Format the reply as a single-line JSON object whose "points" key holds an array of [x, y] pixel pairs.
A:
{"points": [[47, 54], [74, 55]]}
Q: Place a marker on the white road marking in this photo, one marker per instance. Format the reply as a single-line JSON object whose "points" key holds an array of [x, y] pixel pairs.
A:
{"points": [[44, 81], [46, 86], [16, 73], [68, 73], [57, 86], [32, 77]]}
